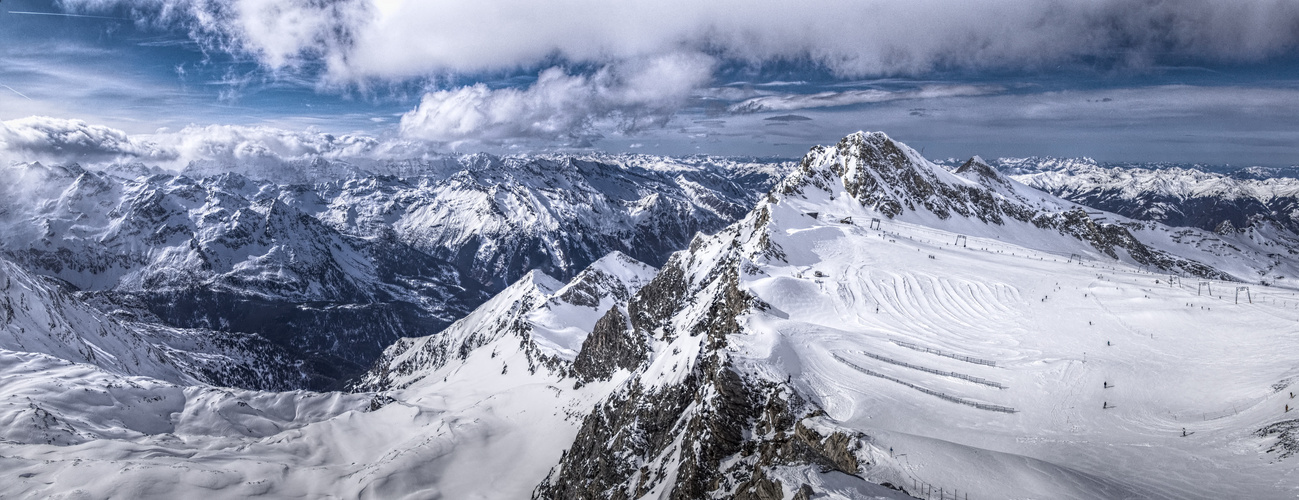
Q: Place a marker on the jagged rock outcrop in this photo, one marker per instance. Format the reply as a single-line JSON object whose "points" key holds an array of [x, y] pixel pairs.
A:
{"points": [[892, 179], [1287, 437], [553, 323], [611, 346], [693, 424], [695, 420]]}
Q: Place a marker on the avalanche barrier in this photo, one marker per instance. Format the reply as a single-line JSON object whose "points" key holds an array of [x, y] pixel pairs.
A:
{"points": [[945, 354], [961, 376], [954, 399]]}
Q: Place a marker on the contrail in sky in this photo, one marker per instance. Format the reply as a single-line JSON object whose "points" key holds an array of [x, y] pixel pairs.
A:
{"points": [[61, 14], [15, 91]]}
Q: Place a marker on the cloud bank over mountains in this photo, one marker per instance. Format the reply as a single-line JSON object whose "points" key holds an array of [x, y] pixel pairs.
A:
{"points": [[402, 39], [58, 140], [620, 67], [1137, 79], [1109, 124]]}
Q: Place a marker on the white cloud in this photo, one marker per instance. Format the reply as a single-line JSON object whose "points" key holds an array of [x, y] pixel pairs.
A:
{"points": [[45, 138], [59, 140], [790, 102], [402, 39], [561, 106], [237, 144]]}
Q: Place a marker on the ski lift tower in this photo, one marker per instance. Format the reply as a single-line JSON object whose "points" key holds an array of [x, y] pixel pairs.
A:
{"points": [[1073, 257], [1204, 284], [961, 240], [1247, 295], [875, 224]]}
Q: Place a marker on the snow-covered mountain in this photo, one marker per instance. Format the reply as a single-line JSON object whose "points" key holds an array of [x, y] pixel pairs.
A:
{"points": [[494, 394], [549, 320], [38, 316], [877, 326], [498, 218], [945, 347], [337, 269], [1178, 196]]}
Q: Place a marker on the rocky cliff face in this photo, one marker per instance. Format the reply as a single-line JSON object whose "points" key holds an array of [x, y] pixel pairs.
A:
{"points": [[610, 347], [691, 423]]}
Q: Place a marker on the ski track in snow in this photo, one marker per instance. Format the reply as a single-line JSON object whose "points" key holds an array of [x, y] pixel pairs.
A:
{"points": [[1171, 365]]}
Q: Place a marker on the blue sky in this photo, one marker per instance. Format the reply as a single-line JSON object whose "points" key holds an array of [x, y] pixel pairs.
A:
{"points": [[172, 81]]}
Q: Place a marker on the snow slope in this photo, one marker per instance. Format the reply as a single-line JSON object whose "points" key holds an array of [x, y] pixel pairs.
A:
{"points": [[485, 421], [1002, 367], [1058, 333], [981, 338], [549, 319]]}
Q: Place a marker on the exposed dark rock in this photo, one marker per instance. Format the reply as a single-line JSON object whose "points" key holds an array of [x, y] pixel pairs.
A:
{"points": [[661, 298], [715, 414], [1287, 437], [332, 262], [610, 346]]}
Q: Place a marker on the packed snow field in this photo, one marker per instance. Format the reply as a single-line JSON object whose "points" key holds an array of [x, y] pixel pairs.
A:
{"points": [[1035, 357], [1104, 364]]}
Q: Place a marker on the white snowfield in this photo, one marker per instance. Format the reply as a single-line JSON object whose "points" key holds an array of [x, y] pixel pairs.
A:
{"points": [[904, 334], [1020, 363], [1103, 364]]}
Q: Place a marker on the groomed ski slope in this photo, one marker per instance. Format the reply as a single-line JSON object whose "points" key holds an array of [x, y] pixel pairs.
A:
{"points": [[1103, 364]]}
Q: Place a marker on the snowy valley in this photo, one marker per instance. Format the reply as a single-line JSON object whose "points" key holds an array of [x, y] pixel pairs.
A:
{"points": [[862, 324]]}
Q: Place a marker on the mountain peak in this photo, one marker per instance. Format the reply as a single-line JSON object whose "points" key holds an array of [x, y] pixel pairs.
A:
{"points": [[540, 281], [977, 170]]}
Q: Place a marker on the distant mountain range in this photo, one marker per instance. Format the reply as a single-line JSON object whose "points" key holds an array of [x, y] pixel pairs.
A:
{"points": [[334, 263]]}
